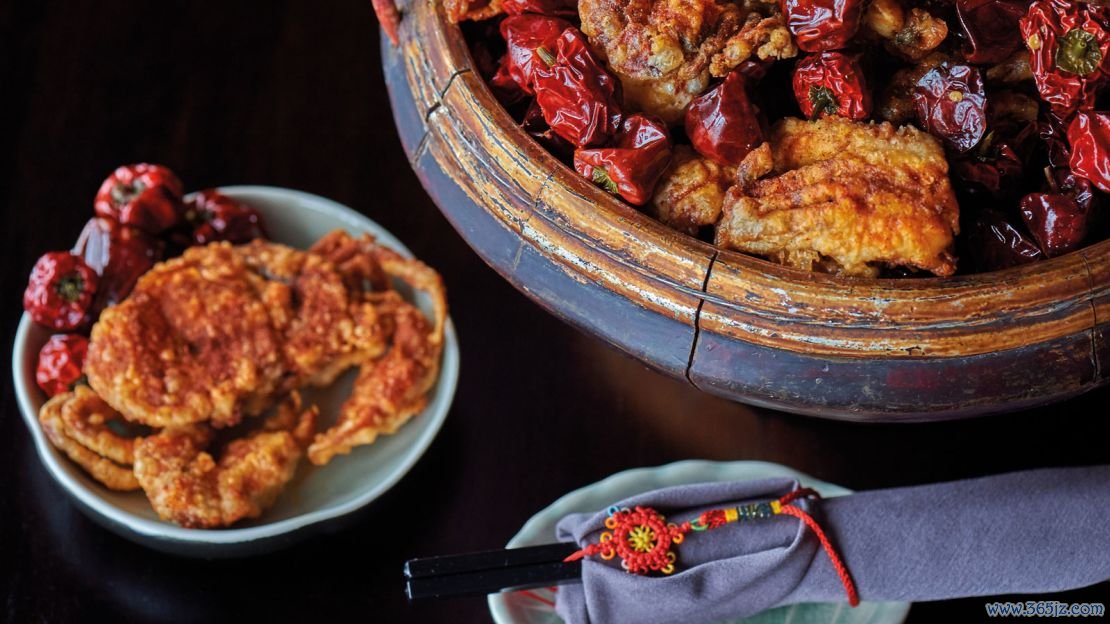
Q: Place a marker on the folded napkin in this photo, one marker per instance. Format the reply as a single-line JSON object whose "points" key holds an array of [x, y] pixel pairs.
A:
{"points": [[1018, 533]]}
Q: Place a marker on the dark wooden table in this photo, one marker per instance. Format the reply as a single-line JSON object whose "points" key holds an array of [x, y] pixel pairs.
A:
{"points": [[291, 94]]}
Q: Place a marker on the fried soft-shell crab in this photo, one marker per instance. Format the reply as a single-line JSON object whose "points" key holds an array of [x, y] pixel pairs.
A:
{"points": [[224, 333]]}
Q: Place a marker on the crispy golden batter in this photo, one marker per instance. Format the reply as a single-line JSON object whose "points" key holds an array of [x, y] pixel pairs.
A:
{"points": [[857, 195], [194, 342], [691, 192], [186, 485], [392, 389], [76, 423], [664, 51], [222, 331]]}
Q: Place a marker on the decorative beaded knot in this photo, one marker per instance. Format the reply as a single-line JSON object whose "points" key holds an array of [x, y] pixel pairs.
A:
{"points": [[642, 537]]}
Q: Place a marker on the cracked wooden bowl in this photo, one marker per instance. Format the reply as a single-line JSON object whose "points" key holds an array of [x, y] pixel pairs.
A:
{"points": [[731, 324]]}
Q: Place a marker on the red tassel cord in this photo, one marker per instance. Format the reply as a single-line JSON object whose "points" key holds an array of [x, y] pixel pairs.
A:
{"points": [[642, 537]]}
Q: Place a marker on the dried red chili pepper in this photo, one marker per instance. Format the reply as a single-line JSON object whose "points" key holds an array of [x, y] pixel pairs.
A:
{"points": [[220, 218], [1057, 222], [535, 125], [119, 254], [633, 165], [996, 171], [951, 104], [819, 25], [60, 292], [144, 196], [388, 17], [529, 40], [990, 28], [503, 86], [723, 124], [993, 243], [1089, 137], [1069, 45], [561, 8], [60, 362], [578, 97], [831, 83]]}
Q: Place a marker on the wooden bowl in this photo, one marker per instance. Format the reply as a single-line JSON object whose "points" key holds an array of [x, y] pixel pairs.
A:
{"points": [[731, 324]]}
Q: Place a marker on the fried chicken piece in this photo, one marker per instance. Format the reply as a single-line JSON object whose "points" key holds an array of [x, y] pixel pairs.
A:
{"points": [[1014, 69], [912, 35], [477, 10], [186, 485], [691, 192], [848, 196], [76, 423], [665, 51], [895, 102]]}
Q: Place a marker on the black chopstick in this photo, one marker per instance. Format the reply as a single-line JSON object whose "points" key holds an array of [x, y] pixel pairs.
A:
{"points": [[490, 572]]}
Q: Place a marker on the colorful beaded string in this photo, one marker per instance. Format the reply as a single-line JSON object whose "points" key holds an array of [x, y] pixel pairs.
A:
{"points": [[642, 537]]}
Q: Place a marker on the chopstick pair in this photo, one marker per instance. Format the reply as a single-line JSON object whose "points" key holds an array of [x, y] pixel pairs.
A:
{"points": [[490, 571]]}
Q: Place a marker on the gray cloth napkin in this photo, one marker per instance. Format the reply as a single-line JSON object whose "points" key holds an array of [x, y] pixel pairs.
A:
{"points": [[1018, 533]]}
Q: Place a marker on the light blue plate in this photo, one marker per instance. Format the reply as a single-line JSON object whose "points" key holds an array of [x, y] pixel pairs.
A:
{"points": [[537, 606]]}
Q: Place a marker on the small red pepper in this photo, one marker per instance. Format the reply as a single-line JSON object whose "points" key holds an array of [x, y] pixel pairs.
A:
{"points": [[993, 243], [1069, 45], [561, 8], [1089, 136], [525, 36], [119, 254], [633, 166], [990, 28], [60, 292], [535, 125], [60, 362], [723, 124], [1056, 221], [144, 196], [578, 97], [220, 218], [819, 25], [951, 104], [831, 83]]}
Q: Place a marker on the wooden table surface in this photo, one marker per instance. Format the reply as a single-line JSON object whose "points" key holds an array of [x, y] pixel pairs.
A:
{"points": [[290, 94]]}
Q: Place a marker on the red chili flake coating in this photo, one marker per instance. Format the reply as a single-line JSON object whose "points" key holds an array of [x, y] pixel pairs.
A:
{"points": [[1069, 45], [819, 25], [632, 167], [144, 196], [220, 218], [60, 362], [529, 38], [1056, 221], [60, 292], [578, 97], [119, 254], [951, 101], [1089, 136], [723, 124], [831, 83], [990, 28]]}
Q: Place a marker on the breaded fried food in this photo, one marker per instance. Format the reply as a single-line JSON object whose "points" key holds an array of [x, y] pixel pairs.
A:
{"points": [[77, 424], [222, 331], [846, 196], [665, 51], [186, 485], [691, 192], [194, 342]]}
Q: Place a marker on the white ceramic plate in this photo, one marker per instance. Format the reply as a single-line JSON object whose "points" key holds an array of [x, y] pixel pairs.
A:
{"points": [[316, 494], [537, 606]]}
